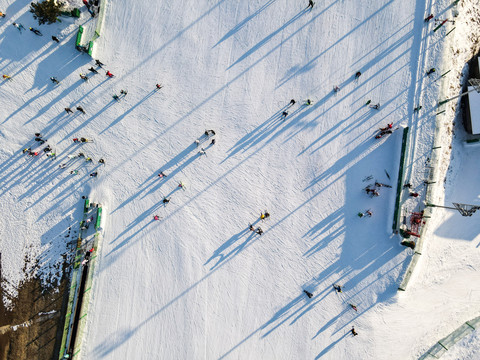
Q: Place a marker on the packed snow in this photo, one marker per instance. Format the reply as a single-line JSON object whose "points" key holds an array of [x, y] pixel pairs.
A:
{"points": [[197, 283]]}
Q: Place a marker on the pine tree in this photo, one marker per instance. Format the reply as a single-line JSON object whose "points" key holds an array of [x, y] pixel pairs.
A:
{"points": [[46, 11]]}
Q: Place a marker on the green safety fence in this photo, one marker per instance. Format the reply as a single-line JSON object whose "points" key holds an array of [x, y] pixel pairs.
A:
{"points": [[396, 213], [79, 36], [99, 217]]}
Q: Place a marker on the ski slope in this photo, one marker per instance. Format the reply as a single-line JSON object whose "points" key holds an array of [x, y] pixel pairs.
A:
{"points": [[198, 284]]}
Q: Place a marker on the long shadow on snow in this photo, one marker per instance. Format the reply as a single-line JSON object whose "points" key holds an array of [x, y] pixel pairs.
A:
{"points": [[242, 23]]}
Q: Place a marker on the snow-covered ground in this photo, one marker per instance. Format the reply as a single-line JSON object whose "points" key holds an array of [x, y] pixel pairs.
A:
{"points": [[198, 284]]}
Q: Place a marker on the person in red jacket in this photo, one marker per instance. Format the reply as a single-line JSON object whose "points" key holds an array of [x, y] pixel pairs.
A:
{"points": [[109, 74]]}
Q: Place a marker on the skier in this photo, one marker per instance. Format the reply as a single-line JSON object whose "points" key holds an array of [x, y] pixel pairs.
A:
{"points": [[284, 114], [158, 86], [84, 77], [35, 31], [202, 152], [115, 97], [109, 74], [88, 159], [354, 307], [389, 126], [81, 155], [357, 75], [165, 200], [336, 89], [54, 80], [354, 333], [26, 150], [156, 217], [33, 153], [38, 135], [162, 174], [123, 92], [368, 102], [407, 185], [431, 71], [414, 194], [74, 172], [250, 226], [308, 102], [259, 231], [266, 214], [85, 2], [428, 18], [68, 110], [369, 213], [101, 161], [75, 140], [79, 108], [99, 63], [38, 138], [54, 38], [2, 14], [93, 70], [6, 77], [292, 102], [181, 185], [337, 287], [47, 149], [62, 166], [18, 26], [212, 142], [94, 174], [309, 294], [376, 106], [310, 4], [417, 108], [84, 140]]}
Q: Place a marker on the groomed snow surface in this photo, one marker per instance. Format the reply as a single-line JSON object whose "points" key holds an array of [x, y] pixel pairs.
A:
{"points": [[198, 284]]}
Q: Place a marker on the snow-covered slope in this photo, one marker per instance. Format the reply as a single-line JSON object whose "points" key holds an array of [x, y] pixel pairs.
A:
{"points": [[198, 284]]}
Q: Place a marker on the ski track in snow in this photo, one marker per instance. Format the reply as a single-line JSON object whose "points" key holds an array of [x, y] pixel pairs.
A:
{"points": [[198, 284]]}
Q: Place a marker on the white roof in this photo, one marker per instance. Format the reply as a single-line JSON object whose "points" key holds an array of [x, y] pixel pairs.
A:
{"points": [[474, 104]]}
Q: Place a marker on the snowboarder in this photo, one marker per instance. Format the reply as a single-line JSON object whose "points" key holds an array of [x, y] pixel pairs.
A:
{"points": [[428, 18], [35, 31], [417, 108], [68, 110], [354, 333], [259, 231], [284, 114], [20, 27], [79, 108], [357, 75], [84, 77], [158, 86], [156, 217], [109, 74], [308, 293], [292, 102], [431, 71], [382, 133], [310, 4], [99, 63], [414, 194], [337, 287], [94, 174], [165, 200], [93, 70], [308, 102], [101, 161], [376, 106], [54, 80], [54, 38]]}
